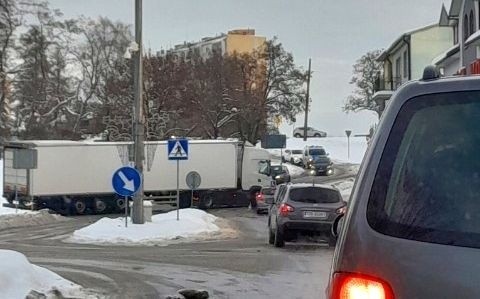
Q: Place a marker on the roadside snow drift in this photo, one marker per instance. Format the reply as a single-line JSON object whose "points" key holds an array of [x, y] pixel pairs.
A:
{"points": [[337, 147], [193, 225], [18, 278]]}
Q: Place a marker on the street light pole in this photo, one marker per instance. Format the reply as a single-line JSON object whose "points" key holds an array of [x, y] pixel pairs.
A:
{"points": [[137, 213], [307, 100]]}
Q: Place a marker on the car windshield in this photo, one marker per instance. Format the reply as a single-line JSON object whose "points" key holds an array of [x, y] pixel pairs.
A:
{"points": [[317, 152], [314, 195], [297, 152]]}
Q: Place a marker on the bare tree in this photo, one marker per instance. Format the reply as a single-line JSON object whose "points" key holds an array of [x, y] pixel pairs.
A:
{"points": [[365, 74]]}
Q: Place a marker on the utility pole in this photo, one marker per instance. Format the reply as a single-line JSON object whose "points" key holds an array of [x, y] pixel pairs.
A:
{"points": [[137, 213], [307, 100]]}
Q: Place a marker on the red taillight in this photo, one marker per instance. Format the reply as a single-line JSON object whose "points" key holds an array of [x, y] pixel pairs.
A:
{"points": [[358, 286], [285, 209], [260, 197]]}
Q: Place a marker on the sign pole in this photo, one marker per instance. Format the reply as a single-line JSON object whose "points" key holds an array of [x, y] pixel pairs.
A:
{"points": [[348, 133], [348, 148], [16, 191], [126, 211], [178, 190]]}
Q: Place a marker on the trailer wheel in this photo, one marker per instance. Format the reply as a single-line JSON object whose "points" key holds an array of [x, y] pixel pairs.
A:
{"points": [[207, 201], [100, 206], [120, 203], [80, 206]]}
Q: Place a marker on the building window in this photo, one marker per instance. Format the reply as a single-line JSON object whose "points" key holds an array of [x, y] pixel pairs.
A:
{"points": [[398, 73], [471, 24], [405, 64], [465, 27]]}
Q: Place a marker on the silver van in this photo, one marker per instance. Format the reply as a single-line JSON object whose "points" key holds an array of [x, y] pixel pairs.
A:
{"points": [[412, 229]]}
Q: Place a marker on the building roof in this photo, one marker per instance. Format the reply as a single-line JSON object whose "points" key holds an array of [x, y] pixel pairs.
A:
{"points": [[448, 53], [401, 38], [455, 8]]}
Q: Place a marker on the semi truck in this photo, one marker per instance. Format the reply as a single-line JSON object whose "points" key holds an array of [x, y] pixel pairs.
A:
{"points": [[75, 177]]}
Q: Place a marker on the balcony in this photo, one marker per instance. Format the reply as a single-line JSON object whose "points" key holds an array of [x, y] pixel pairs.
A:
{"points": [[387, 85]]}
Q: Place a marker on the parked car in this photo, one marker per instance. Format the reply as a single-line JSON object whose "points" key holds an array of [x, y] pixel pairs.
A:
{"points": [[413, 230], [304, 209], [311, 132], [280, 174], [264, 195], [317, 159], [293, 156]]}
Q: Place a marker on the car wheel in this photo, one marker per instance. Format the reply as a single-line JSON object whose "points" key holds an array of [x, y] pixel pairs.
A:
{"points": [[120, 204], [278, 241], [297, 135], [271, 236], [317, 135]]}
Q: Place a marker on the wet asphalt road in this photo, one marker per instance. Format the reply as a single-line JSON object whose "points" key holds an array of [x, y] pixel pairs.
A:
{"points": [[241, 267]]}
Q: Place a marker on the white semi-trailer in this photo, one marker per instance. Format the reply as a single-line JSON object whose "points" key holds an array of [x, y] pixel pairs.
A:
{"points": [[76, 176]]}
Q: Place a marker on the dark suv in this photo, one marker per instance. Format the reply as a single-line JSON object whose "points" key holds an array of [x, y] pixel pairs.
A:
{"points": [[304, 209]]}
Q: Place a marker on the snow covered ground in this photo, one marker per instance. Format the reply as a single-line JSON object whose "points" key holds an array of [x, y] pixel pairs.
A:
{"points": [[194, 225], [18, 278], [337, 147]]}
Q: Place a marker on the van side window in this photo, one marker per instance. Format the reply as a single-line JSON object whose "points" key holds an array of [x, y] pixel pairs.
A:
{"points": [[427, 184]]}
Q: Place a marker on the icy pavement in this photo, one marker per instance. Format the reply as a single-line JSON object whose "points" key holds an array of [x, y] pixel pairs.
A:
{"points": [[194, 225], [345, 187], [18, 278]]}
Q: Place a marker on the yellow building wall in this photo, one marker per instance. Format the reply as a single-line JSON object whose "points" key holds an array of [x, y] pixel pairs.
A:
{"points": [[241, 44]]}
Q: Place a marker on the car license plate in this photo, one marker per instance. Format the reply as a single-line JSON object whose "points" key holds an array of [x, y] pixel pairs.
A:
{"points": [[314, 214]]}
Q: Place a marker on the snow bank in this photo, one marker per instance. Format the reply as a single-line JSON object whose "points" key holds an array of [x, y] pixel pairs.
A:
{"points": [[193, 225], [294, 170], [337, 147], [18, 278]]}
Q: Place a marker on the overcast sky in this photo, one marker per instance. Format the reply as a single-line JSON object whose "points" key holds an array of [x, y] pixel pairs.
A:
{"points": [[334, 33]]}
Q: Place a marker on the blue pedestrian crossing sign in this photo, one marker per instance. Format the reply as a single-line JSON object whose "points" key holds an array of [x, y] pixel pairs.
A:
{"points": [[178, 149], [126, 181]]}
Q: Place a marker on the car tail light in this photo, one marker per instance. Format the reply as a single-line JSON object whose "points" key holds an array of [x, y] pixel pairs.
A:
{"points": [[260, 197], [358, 286], [342, 210], [285, 209]]}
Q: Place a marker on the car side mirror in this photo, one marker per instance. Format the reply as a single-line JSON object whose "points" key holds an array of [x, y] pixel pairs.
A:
{"points": [[269, 200]]}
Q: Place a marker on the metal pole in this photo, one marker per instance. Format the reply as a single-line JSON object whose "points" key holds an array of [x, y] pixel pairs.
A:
{"points": [[191, 200], [348, 137], [126, 211], [178, 190], [281, 156], [137, 212], [307, 100], [31, 189], [16, 191]]}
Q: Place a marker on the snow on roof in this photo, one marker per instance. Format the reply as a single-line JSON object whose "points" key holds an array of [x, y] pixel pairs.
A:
{"points": [[449, 52], [473, 37]]}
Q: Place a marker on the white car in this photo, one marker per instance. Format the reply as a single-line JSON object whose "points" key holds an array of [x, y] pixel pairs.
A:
{"points": [[293, 156], [311, 132]]}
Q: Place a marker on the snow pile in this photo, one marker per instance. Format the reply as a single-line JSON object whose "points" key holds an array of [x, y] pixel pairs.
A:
{"points": [[29, 219], [294, 170], [337, 147], [18, 278], [193, 225], [345, 187]]}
